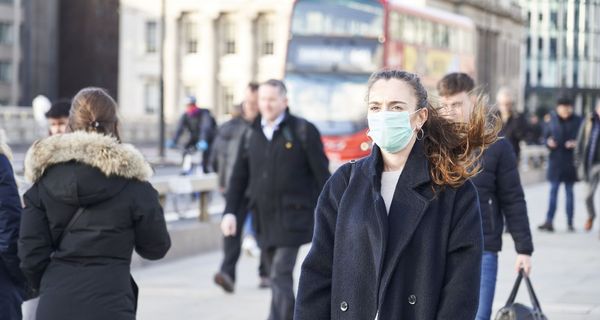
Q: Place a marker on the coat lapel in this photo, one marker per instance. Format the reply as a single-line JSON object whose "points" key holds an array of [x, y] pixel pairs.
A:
{"points": [[407, 209]]}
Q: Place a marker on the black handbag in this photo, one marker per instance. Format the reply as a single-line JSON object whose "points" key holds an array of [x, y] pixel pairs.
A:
{"points": [[518, 311]]}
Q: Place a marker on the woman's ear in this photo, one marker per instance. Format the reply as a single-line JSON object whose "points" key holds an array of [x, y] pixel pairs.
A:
{"points": [[423, 115]]}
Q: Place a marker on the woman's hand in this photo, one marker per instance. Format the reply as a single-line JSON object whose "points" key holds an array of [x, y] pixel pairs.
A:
{"points": [[523, 262]]}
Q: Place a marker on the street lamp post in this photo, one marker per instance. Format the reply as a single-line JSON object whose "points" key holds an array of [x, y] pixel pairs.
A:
{"points": [[163, 24]]}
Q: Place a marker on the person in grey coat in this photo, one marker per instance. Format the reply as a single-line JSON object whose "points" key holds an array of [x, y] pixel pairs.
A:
{"points": [[587, 159], [225, 150]]}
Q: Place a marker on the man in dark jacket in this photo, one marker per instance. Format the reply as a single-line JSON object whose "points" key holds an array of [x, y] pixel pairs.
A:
{"points": [[514, 125], [58, 116], [223, 156], [500, 192], [587, 158], [11, 279], [283, 165], [560, 137], [201, 126]]}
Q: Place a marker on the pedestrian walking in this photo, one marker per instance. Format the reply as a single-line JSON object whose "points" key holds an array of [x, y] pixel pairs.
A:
{"points": [[58, 116], [283, 167], [587, 155], [501, 196], [90, 206], [561, 140], [535, 131], [201, 127], [514, 125], [398, 234], [12, 282], [225, 150]]}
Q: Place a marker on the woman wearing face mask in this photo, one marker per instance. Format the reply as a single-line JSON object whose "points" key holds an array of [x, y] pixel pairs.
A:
{"points": [[398, 234]]}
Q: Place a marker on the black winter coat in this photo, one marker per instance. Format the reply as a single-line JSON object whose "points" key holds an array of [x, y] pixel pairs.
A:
{"points": [[561, 164], [423, 261], [225, 148], [515, 130], [284, 177], [87, 275], [501, 198], [11, 279]]}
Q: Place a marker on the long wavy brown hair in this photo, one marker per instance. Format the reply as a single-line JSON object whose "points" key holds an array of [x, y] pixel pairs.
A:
{"points": [[94, 110], [453, 149]]}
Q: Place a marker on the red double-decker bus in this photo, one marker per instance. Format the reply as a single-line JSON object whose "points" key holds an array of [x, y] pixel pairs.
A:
{"points": [[336, 44]]}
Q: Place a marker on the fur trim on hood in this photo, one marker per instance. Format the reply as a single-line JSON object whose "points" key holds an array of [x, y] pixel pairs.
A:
{"points": [[97, 150], [4, 148]]}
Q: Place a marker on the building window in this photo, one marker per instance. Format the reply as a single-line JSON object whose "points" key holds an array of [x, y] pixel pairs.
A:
{"points": [[228, 35], [6, 36], [151, 37], [191, 37], [226, 99], [554, 19], [6, 1], [553, 48], [528, 46], [266, 34], [5, 71], [151, 97]]}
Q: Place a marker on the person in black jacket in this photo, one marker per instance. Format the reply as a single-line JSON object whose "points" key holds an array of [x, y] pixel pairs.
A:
{"points": [[561, 139], [398, 234], [12, 283], [501, 196], [58, 116], [84, 272], [224, 153], [283, 166], [201, 127], [514, 125]]}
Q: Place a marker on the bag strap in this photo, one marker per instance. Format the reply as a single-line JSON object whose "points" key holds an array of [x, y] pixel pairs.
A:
{"points": [[532, 295], [515, 290], [69, 226]]}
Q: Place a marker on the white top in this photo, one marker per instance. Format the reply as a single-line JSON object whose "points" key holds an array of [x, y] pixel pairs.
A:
{"points": [[269, 129], [389, 180]]}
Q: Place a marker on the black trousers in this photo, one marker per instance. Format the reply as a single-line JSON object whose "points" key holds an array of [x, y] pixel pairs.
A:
{"points": [[281, 262], [232, 247]]}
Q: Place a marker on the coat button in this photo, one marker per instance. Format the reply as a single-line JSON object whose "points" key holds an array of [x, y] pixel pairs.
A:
{"points": [[412, 299], [344, 306]]}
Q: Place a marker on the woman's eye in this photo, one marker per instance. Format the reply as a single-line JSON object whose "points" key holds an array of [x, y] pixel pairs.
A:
{"points": [[374, 108], [397, 108]]}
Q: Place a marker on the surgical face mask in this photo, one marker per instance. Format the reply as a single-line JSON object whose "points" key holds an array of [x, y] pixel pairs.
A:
{"points": [[390, 130]]}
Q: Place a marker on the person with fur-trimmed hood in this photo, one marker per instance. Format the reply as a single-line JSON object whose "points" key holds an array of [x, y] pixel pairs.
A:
{"points": [[11, 279], [90, 206]]}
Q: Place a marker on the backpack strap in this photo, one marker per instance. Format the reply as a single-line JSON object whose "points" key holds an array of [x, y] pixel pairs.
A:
{"points": [[300, 132], [69, 226]]}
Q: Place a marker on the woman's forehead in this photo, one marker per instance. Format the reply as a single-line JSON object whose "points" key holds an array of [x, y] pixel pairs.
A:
{"points": [[392, 90]]}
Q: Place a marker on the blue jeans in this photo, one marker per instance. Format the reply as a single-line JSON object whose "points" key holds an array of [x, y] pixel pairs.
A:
{"points": [[489, 271], [554, 185], [248, 226]]}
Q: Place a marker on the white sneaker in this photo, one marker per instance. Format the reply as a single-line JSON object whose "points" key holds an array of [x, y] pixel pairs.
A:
{"points": [[250, 247]]}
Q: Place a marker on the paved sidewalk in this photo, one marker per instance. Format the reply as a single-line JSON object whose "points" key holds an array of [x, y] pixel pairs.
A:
{"points": [[566, 275]]}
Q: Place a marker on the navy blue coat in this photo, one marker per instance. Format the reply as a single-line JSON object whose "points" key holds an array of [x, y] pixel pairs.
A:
{"points": [[11, 279], [501, 198], [423, 261], [561, 164]]}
